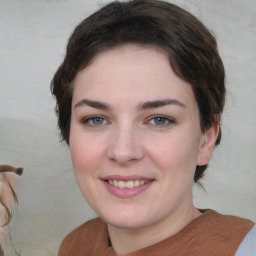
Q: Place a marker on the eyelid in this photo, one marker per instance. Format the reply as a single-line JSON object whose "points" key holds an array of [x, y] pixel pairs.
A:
{"points": [[170, 120], [85, 120]]}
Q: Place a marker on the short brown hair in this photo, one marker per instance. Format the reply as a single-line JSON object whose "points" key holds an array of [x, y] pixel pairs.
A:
{"points": [[191, 47]]}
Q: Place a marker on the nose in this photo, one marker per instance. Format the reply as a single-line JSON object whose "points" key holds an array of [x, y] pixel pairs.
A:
{"points": [[125, 146]]}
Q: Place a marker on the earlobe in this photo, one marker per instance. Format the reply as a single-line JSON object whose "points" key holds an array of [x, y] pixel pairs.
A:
{"points": [[207, 144]]}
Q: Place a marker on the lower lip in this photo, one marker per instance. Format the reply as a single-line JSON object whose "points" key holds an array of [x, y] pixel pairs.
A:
{"points": [[126, 192]]}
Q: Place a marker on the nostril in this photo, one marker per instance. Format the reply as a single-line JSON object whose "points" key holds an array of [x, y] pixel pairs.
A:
{"points": [[124, 147]]}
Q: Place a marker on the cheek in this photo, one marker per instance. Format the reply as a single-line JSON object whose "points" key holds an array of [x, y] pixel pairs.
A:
{"points": [[86, 153], [85, 158], [178, 152]]}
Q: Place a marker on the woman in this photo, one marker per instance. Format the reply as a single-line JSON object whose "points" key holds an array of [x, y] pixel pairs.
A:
{"points": [[139, 100]]}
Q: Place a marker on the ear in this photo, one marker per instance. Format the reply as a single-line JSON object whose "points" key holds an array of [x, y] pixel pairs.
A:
{"points": [[208, 142]]}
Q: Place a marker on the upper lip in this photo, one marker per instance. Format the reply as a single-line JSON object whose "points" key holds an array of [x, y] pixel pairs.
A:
{"points": [[126, 178]]}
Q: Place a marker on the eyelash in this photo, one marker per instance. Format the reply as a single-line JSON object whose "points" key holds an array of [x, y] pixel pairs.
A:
{"points": [[167, 121], [89, 119]]}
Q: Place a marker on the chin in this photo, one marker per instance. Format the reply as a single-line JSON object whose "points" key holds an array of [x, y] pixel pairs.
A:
{"points": [[124, 224], [127, 218]]}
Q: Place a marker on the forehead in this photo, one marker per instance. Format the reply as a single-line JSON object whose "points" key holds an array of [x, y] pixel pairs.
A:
{"points": [[131, 71]]}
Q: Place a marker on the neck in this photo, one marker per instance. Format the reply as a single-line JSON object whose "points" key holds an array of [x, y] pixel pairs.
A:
{"points": [[129, 240]]}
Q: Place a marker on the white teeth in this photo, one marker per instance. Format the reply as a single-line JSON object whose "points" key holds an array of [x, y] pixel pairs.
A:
{"points": [[136, 183], [121, 184], [126, 184], [130, 184]]}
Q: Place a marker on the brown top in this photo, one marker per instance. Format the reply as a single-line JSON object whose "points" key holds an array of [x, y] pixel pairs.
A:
{"points": [[210, 234]]}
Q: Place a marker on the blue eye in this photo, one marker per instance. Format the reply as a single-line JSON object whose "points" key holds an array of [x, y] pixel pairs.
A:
{"points": [[95, 121], [161, 121]]}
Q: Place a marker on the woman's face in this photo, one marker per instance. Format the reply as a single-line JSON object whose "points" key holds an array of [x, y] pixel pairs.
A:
{"points": [[135, 137]]}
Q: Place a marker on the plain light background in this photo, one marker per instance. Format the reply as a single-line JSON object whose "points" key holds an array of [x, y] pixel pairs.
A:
{"points": [[33, 36]]}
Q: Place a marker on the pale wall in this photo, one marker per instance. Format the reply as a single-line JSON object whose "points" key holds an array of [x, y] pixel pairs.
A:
{"points": [[33, 36]]}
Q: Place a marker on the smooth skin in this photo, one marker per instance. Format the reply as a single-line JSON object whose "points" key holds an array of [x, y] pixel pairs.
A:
{"points": [[133, 116]]}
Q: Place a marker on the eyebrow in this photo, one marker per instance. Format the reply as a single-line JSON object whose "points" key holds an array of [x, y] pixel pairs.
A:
{"points": [[93, 104], [159, 103], [140, 107]]}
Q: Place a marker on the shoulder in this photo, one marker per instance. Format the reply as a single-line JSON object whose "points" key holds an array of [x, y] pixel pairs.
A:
{"points": [[248, 245], [225, 231], [81, 241], [226, 222], [231, 222], [87, 228]]}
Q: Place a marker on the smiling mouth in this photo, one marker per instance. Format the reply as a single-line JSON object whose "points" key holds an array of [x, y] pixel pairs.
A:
{"points": [[127, 184]]}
